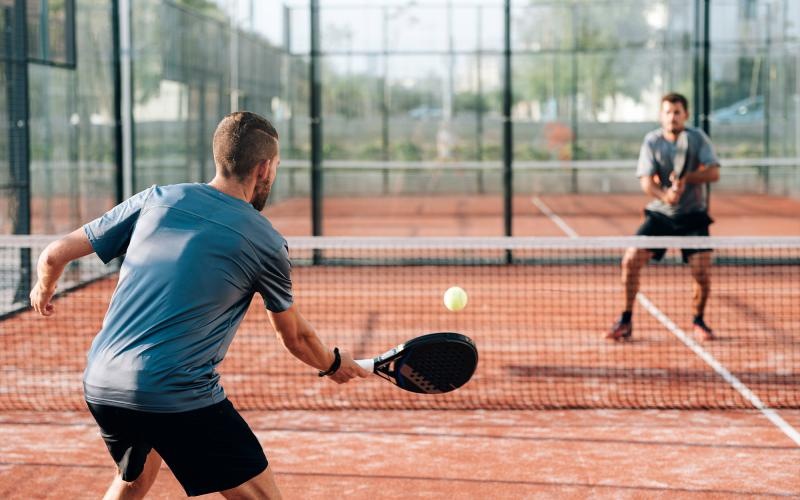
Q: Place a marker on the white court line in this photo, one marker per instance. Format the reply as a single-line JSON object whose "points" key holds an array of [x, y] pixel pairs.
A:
{"points": [[710, 360], [730, 378], [558, 221]]}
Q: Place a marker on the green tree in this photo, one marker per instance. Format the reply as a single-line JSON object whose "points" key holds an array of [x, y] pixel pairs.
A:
{"points": [[596, 39], [206, 7]]}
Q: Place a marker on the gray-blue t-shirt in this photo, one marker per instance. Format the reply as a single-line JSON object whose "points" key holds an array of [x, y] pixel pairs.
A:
{"points": [[194, 258], [656, 158]]}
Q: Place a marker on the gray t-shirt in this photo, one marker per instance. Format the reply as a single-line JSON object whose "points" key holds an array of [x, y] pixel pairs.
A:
{"points": [[656, 158], [194, 258]]}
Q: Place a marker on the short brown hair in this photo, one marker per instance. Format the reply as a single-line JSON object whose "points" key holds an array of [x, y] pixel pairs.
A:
{"points": [[675, 98], [241, 141]]}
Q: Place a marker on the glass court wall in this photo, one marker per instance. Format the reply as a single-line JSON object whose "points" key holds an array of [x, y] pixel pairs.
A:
{"points": [[57, 146], [410, 98]]}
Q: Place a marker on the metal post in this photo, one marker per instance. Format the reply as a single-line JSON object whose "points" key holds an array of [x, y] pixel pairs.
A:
{"points": [[75, 178], [287, 91], [706, 67], [44, 32], [766, 83], [574, 110], [19, 135], [696, 69], [316, 125], [666, 71], [788, 90], [18, 113], [233, 54], [287, 45], [117, 76], [797, 105], [384, 93], [706, 110], [479, 100], [70, 34], [45, 157], [447, 105], [126, 97], [201, 131], [767, 91], [508, 139]]}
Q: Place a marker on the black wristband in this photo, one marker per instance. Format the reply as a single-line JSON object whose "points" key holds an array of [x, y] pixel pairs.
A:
{"points": [[337, 360]]}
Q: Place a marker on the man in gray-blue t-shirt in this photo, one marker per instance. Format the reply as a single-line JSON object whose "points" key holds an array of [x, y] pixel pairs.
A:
{"points": [[195, 255], [675, 165]]}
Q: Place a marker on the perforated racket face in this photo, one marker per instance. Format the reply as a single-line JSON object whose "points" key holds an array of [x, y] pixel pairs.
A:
{"points": [[436, 363]]}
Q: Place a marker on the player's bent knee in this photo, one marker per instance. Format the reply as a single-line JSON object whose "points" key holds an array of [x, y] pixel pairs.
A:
{"points": [[701, 275], [628, 258], [262, 486], [703, 281], [635, 258], [137, 487], [128, 490], [141, 483]]}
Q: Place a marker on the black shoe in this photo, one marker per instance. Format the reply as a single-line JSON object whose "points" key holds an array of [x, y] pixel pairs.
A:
{"points": [[620, 331], [702, 332]]}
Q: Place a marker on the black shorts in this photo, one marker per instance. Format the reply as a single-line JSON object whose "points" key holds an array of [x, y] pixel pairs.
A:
{"points": [[694, 224], [209, 449]]}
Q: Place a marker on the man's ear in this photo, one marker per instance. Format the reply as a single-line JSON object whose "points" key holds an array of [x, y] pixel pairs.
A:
{"points": [[262, 169], [273, 165]]}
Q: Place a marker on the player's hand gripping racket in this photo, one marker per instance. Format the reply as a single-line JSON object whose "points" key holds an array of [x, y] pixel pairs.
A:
{"points": [[430, 364]]}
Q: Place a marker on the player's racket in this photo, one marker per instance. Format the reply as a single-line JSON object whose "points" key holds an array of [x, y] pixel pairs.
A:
{"points": [[430, 364], [681, 147]]}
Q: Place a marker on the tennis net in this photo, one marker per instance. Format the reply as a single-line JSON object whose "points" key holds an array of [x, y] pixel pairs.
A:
{"points": [[538, 311]]}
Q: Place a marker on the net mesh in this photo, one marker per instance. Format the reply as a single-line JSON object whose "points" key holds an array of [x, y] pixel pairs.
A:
{"points": [[538, 311]]}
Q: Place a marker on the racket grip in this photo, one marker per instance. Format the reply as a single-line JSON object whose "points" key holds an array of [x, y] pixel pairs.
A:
{"points": [[367, 364]]}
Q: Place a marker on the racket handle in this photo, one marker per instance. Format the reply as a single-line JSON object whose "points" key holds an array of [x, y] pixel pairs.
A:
{"points": [[367, 364]]}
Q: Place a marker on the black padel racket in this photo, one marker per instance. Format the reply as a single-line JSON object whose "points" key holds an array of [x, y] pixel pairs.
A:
{"points": [[430, 364], [681, 150]]}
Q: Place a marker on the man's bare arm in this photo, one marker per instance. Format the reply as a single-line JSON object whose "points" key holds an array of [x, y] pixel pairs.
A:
{"points": [[51, 264], [703, 174], [299, 338]]}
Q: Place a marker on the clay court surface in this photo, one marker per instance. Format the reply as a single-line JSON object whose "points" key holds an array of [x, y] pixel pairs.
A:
{"points": [[478, 453], [482, 215], [448, 454]]}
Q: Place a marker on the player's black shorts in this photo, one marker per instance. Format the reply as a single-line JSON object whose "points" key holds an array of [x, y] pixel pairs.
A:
{"points": [[693, 224], [209, 449]]}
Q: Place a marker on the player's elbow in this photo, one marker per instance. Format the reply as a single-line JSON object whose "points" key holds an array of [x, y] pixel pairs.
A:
{"points": [[287, 327], [290, 342], [61, 252], [713, 174], [53, 255], [647, 184], [292, 338]]}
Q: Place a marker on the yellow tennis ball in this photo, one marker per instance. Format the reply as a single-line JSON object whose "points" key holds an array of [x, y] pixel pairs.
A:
{"points": [[455, 298]]}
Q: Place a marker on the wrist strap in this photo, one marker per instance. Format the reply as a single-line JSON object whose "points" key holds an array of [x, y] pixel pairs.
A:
{"points": [[337, 360]]}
